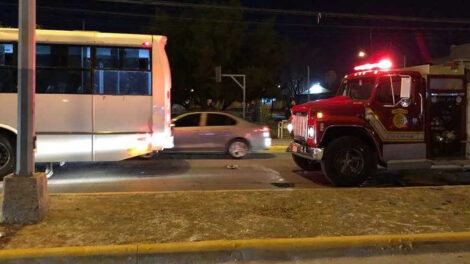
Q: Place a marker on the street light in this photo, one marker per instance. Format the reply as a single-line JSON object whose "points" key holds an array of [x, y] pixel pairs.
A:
{"points": [[361, 54], [242, 84]]}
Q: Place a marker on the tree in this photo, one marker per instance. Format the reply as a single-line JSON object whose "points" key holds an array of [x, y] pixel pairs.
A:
{"points": [[199, 40], [294, 84], [264, 54]]}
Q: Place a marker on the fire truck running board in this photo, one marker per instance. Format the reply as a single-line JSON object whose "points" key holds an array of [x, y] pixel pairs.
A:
{"points": [[409, 164]]}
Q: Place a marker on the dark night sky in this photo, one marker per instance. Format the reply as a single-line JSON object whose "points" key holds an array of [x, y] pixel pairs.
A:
{"points": [[322, 47]]}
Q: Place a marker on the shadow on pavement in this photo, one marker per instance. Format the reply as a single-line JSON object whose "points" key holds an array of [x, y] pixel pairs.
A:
{"points": [[127, 168], [400, 179], [316, 177], [195, 156]]}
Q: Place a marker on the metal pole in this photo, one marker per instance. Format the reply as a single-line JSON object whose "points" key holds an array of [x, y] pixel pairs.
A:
{"points": [[244, 97], [26, 87], [308, 82]]}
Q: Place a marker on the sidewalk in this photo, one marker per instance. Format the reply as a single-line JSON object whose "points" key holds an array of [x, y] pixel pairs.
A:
{"points": [[281, 142], [136, 218], [279, 145]]}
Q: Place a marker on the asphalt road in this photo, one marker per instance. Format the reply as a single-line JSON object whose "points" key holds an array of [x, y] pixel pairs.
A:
{"points": [[178, 172], [181, 172]]}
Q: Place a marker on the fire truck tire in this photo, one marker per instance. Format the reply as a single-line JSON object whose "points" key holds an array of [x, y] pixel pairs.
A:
{"points": [[7, 157], [348, 161], [306, 164]]}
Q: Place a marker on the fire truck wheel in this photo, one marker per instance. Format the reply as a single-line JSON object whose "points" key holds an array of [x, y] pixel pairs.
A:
{"points": [[348, 161], [7, 157], [306, 164]]}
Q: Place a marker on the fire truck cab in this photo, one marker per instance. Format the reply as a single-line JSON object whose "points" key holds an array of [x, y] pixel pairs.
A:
{"points": [[398, 119]]}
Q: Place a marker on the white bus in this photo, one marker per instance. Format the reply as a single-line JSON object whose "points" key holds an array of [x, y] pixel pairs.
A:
{"points": [[100, 96]]}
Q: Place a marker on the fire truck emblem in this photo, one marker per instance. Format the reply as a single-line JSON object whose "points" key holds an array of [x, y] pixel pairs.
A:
{"points": [[399, 118]]}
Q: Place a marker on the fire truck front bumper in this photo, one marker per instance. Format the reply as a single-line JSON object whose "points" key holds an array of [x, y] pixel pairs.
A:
{"points": [[305, 151]]}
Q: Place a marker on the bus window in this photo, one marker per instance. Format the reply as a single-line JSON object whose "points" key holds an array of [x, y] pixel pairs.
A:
{"points": [[8, 71], [63, 69], [63, 56], [122, 71], [7, 55]]}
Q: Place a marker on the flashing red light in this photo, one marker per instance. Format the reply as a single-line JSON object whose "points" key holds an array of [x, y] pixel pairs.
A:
{"points": [[383, 65], [147, 44]]}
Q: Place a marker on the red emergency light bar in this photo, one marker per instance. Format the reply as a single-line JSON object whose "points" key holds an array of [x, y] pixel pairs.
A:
{"points": [[382, 65]]}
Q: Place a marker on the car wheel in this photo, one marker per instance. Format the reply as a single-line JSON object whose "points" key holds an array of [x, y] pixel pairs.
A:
{"points": [[238, 148], [306, 164], [348, 161], [7, 157]]}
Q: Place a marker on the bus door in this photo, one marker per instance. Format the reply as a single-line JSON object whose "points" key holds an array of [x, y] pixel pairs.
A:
{"points": [[63, 103], [122, 103]]}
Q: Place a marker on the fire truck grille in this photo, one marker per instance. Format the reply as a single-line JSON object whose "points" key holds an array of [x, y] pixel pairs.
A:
{"points": [[299, 126]]}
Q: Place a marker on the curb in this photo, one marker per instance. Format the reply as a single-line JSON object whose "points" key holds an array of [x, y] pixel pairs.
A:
{"points": [[277, 148], [197, 249]]}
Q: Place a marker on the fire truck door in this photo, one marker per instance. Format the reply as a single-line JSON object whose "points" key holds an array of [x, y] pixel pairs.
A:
{"points": [[398, 117]]}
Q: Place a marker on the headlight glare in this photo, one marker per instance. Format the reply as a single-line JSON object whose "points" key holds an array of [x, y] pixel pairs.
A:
{"points": [[311, 132]]}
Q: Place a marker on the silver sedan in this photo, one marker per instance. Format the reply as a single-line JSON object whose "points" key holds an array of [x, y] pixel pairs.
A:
{"points": [[218, 132]]}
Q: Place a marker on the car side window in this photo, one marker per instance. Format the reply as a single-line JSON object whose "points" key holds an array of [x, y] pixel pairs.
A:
{"points": [[188, 121], [220, 120]]}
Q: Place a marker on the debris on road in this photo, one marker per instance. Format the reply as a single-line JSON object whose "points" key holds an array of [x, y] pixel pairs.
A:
{"points": [[232, 166]]}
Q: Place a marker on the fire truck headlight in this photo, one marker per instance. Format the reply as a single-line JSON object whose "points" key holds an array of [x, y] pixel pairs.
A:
{"points": [[311, 132], [290, 127]]}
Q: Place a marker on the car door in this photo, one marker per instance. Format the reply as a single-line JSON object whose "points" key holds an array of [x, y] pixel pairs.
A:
{"points": [[187, 133], [217, 131], [399, 121]]}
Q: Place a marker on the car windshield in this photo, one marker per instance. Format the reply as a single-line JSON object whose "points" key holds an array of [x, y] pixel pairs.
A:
{"points": [[357, 89]]}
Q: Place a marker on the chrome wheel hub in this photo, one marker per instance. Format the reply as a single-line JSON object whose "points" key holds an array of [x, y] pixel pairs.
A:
{"points": [[350, 162], [238, 149]]}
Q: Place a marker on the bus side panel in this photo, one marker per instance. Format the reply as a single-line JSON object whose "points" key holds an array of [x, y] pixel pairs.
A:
{"points": [[161, 89], [63, 113], [63, 147], [122, 126], [63, 127], [122, 114], [112, 147], [8, 110]]}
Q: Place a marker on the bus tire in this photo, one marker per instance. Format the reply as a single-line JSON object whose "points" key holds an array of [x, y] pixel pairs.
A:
{"points": [[7, 156], [306, 164], [348, 161]]}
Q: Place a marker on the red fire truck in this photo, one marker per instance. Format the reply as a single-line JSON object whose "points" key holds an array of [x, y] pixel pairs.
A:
{"points": [[395, 118]]}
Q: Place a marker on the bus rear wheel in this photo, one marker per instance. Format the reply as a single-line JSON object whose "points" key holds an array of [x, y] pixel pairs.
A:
{"points": [[7, 157], [348, 161]]}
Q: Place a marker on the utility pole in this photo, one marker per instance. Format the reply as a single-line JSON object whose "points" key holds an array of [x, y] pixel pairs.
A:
{"points": [[25, 193], [308, 82], [26, 88]]}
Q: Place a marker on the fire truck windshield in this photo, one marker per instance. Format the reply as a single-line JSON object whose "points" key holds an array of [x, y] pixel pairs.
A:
{"points": [[357, 89]]}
